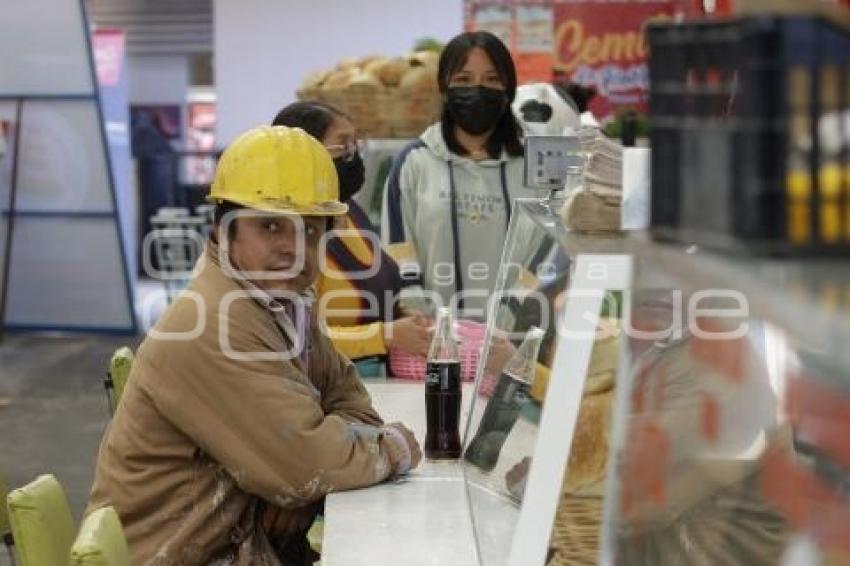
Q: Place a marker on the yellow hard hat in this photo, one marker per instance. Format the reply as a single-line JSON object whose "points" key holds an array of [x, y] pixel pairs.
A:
{"points": [[278, 169]]}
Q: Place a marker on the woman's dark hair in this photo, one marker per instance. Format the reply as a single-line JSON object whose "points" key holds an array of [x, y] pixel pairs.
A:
{"points": [[506, 135], [313, 117]]}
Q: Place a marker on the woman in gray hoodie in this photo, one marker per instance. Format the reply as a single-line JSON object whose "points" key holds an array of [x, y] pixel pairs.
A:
{"points": [[448, 198]]}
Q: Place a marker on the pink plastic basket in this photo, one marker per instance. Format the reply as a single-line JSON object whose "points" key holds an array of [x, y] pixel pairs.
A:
{"points": [[471, 335]]}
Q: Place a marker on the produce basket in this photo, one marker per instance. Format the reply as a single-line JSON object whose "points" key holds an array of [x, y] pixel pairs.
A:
{"points": [[575, 535], [385, 98]]}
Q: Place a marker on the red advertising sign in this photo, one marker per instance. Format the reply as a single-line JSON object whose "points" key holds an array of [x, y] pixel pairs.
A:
{"points": [[525, 28], [108, 48], [602, 44]]}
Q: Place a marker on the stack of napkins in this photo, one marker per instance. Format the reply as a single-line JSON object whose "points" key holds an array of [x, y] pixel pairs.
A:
{"points": [[605, 165], [596, 206]]}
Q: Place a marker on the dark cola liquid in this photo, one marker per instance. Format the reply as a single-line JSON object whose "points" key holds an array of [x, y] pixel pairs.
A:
{"points": [[442, 410], [499, 417]]}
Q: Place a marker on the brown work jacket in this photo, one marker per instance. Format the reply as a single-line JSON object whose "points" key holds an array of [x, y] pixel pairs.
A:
{"points": [[205, 445]]}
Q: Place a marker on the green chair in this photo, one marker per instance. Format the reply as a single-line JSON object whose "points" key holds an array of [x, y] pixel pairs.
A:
{"points": [[5, 527], [101, 541], [116, 376], [316, 534], [41, 523]]}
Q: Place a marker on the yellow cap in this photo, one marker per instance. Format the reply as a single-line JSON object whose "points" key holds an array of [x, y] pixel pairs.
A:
{"points": [[278, 169]]}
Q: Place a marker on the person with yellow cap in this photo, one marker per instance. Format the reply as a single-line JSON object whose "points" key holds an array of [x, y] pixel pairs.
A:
{"points": [[239, 415]]}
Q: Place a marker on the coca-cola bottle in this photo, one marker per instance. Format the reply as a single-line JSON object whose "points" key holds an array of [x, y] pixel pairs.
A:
{"points": [[511, 393], [442, 391]]}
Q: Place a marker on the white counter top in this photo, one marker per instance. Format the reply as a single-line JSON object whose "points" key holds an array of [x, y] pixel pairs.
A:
{"points": [[422, 519]]}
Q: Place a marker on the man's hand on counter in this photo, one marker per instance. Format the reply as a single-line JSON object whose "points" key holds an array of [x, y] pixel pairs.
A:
{"points": [[402, 448]]}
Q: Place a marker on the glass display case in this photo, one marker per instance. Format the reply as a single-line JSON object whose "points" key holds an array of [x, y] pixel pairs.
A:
{"points": [[729, 442], [675, 407]]}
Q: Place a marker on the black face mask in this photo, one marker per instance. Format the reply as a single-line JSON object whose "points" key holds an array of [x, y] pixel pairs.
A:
{"points": [[476, 109], [351, 173]]}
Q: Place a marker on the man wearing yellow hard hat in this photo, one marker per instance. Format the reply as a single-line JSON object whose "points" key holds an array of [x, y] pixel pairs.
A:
{"points": [[239, 415]]}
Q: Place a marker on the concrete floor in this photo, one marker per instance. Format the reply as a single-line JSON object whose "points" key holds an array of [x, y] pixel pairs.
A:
{"points": [[53, 409]]}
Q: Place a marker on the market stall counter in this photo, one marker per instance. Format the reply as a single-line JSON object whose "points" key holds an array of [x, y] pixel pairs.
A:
{"points": [[683, 407], [422, 518]]}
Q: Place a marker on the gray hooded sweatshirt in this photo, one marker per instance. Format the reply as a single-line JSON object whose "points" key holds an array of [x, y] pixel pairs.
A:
{"points": [[457, 248]]}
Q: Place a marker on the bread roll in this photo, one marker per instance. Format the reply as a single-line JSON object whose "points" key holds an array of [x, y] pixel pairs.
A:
{"points": [[315, 79], [424, 58], [605, 355], [602, 367], [366, 60], [337, 80], [347, 64], [599, 382], [372, 66], [589, 451], [389, 71], [419, 79], [364, 80]]}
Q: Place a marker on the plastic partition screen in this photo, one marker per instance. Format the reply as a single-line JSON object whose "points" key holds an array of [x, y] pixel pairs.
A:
{"points": [[43, 49], [75, 249], [59, 231], [519, 431], [61, 166]]}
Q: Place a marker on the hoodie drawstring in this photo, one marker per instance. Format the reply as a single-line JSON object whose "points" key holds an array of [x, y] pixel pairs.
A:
{"points": [[504, 176], [456, 233], [455, 238]]}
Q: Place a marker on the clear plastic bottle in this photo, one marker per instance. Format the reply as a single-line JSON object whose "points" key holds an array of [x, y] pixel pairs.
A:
{"points": [[442, 391]]}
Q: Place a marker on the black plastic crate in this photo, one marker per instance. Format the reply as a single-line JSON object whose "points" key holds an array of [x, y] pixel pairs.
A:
{"points": [[750, 134]]}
